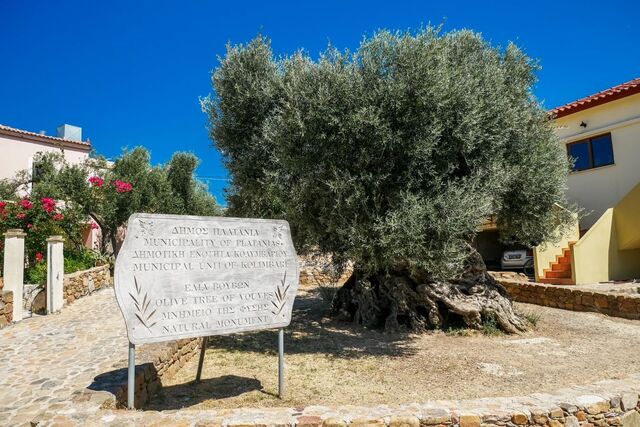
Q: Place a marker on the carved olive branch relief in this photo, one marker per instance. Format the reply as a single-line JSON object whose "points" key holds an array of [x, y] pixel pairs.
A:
{"points": [[142, 302], [281, 296]]}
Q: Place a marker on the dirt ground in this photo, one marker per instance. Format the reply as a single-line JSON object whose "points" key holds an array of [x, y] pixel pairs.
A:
{"points": [[332, 363]]}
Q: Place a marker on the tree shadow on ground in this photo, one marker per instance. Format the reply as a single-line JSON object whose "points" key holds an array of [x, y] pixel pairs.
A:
{"points": [[313, 331], [192, 393]]}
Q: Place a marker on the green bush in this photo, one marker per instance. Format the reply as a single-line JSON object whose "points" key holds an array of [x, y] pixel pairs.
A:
{"points": [[79, 260], [37, 274]]}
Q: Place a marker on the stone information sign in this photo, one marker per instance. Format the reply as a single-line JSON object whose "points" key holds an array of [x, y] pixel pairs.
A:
{"points": [[186, 276]]}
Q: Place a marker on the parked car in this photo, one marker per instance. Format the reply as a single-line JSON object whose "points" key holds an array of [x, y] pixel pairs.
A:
{"points": [[517, 259]]}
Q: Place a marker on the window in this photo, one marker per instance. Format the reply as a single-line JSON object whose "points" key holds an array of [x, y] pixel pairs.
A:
{"points": [[591, 153]]}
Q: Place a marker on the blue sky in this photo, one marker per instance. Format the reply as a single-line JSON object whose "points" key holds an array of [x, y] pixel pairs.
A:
{"points": [[130, 72]]}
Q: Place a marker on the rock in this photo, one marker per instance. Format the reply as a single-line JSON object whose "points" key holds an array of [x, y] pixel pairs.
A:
{"points": [[365, 422], [571, 421], [581, 416], [631, 419], [593, 404], [555, 423], [615, 402], [629, 401], [404, 421], [519, 418], [434, 416], [334, 422], [469, 420], [556, 413], [539, 416]]}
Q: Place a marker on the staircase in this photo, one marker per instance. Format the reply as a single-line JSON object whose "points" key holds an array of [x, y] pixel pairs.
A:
{"points": [[559, 272]]}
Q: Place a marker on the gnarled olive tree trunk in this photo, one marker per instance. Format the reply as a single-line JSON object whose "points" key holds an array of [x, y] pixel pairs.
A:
{"points": [[395, 301]]}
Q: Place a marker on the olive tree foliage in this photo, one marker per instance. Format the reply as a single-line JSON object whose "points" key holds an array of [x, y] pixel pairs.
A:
{"points": [[392, 156]]}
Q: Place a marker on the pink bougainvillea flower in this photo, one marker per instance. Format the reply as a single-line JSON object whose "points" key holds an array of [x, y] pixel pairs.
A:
{"points": [[94, 226], [38, 257], [121, 186], [2, 205], [26, 204], [58, 217], [21, 215], [29, 225], [48, 204], [96, 181]]}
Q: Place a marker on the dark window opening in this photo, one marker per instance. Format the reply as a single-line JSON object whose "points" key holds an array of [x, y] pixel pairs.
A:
{"points": [[591, 153]]}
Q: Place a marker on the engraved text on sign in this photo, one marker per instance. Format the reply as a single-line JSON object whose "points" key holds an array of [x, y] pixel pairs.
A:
{"points": [[184, 276]]}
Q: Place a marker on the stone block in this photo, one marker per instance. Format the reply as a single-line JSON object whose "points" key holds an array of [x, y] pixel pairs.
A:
{"points": [[519, 418], [366, 422], [631, 419], [469, 420], [629, 401], [435, 416], [308, 421], [593, 404], [404, 421], [334, 422], [571, 421]]}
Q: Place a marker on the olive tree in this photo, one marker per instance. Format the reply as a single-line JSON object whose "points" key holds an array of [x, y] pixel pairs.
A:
{"points": [[392, 157]]}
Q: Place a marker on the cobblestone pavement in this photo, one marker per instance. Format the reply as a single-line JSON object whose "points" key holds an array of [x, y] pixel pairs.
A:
{"points": [[49, 365], [45, 359]]}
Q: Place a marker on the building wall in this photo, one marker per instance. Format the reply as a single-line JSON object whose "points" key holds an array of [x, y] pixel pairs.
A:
{"points": [[598, 189], [18, 152]]}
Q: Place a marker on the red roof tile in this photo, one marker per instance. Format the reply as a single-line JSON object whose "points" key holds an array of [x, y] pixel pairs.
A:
{"points": [[622, 90], [9, 130]]}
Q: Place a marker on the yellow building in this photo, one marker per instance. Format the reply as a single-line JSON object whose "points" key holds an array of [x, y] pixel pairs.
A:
{"points": [[602, 135]]}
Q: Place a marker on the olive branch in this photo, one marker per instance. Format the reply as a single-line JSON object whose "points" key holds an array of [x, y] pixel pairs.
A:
{"points": [[281, 296], [142, 304]]}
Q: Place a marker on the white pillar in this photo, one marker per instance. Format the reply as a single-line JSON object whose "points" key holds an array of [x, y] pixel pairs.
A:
{"points": [[14, 268], [55, 274]]}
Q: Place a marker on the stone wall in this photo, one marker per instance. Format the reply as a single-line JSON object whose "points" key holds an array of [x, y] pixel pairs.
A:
{"points": [[6, 305], [153, 363], [317, 270], [85, 282], [573, 298]]}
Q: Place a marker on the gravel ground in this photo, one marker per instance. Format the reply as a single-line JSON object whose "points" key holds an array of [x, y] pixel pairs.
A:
{"points": [[332, 363]]}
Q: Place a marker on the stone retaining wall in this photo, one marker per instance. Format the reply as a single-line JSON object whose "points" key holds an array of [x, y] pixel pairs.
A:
{"points": [[317, 270], [6, 305], [85, 282], [607, 403], [153, 363], [572, 298]]}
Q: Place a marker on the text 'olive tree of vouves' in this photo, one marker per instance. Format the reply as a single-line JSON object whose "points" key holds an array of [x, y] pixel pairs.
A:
{"points": [[392, 157]]}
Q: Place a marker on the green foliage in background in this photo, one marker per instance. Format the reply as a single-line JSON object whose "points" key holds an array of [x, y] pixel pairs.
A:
{"points": [[106, 194], [392, 155]]}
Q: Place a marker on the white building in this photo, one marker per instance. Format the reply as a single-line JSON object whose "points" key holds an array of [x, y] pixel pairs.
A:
{"points": [[19, 147]]}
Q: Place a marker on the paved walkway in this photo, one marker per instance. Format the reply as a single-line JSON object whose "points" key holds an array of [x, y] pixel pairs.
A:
{"points": [[45, 359]]}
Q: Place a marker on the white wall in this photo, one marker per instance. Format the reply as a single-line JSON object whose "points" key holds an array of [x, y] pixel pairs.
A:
{"points": [[16, 153], [598, 189]]}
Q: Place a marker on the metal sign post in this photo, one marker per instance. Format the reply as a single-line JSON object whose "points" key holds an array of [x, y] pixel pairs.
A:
{"points": [[203, 347], [131, 379], [281, 363]]}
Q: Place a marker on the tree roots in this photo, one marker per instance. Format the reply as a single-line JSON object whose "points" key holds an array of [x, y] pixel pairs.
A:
{"points": [[397, 301]]}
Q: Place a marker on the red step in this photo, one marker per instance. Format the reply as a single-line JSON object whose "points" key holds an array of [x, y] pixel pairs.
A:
{"points": [[564, 266], [557, 274], [560, 281]]}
